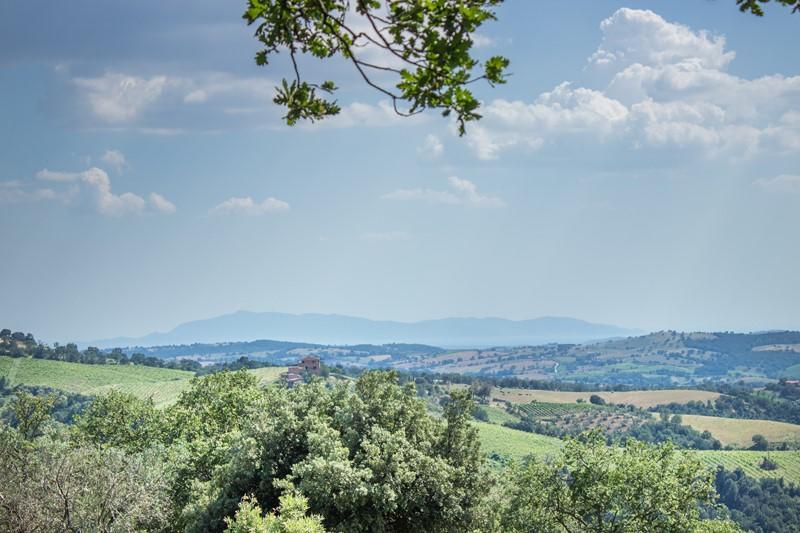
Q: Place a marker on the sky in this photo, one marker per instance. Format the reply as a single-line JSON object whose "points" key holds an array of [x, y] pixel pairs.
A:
{"points": [[641, 168]]}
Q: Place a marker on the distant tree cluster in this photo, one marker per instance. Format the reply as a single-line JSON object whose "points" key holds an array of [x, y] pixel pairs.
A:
{"points": [[780, 403], [24, 345]]}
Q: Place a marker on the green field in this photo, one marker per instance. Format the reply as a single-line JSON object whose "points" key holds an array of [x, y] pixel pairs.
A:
{"points": [[498, 415], [788, 463], [515, 444], [268, 374], [163, 385], [739, 432]]}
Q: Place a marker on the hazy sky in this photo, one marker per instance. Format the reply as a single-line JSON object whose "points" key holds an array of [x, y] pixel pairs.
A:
{"points": [[641, 168]]}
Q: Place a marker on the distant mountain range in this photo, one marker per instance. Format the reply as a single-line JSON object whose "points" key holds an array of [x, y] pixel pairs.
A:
{"points": [[338, 329]]}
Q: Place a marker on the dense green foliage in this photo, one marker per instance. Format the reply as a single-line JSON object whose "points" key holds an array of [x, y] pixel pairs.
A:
{"points": [[358, 456], [64, 407], [593, 487], [47, 484], [759, 505]]}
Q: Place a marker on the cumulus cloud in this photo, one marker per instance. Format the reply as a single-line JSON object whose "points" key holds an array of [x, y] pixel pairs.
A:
{"points": [[91, 187], [783, 183], [249, 207], [641, 36], [107, 203], [461, 192], [665, 85], [432, 147], [116, 159]]}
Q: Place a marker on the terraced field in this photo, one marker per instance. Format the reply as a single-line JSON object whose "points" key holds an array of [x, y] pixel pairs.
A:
{"points": [[788, 463], [740, 432]]}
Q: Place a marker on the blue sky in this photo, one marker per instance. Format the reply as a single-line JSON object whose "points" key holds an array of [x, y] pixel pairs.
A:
{"points": [[641, 167]]}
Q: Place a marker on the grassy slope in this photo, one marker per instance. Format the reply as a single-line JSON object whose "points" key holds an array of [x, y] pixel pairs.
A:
{"points": [[513, 443], [162, 384], [788, 463], [269, 374], [645, 398], [740, 432]]}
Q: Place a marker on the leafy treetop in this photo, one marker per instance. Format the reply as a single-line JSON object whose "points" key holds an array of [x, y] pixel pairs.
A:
{"points": [[423, 46]]}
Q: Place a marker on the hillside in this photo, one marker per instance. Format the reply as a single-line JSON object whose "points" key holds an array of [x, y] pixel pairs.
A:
{"points": [[662, 359], [161, 384], [338, 329], [665, 358]]}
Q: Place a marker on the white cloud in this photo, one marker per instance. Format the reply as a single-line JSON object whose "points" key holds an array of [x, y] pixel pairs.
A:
{"points": [[462, 192], [51, 175], [161, 204], [116, 98], [432, 147], [480, 40], [91, 187], [783, 183], [116, 159], [201, 101], [248, 206], [641, 36], [388, 236], [359, 114], [106, 202], [16, 191], [667, 87], [214, 85]]}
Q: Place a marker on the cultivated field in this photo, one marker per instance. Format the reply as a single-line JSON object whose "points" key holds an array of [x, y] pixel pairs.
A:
{"points": [[515, 444], [738, 432], [788, 463], [644, 398], [162, 384]]}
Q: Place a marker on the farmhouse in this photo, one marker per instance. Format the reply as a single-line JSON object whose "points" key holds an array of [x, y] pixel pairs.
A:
{"points": [[309, 363]]}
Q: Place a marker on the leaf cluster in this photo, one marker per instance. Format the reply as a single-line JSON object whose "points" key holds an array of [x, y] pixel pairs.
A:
{"points": [[424, 46]]}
